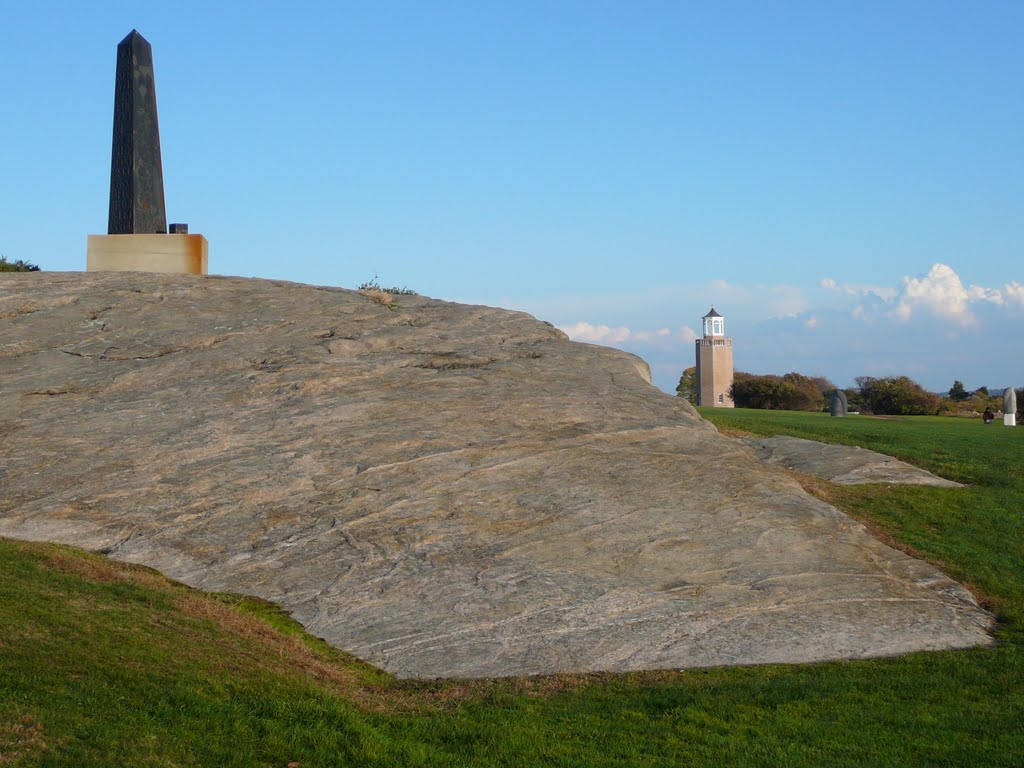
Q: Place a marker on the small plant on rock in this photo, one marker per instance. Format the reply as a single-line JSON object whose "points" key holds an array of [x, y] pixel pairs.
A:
{"points": [[374, 285], [384, 296]]}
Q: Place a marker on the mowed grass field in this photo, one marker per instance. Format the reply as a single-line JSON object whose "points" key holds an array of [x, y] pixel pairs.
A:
{"points": [[103, 664]]}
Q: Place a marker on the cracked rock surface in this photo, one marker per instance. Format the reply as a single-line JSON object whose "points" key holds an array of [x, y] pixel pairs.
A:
{"points": [[842, 464], [440, 489]]}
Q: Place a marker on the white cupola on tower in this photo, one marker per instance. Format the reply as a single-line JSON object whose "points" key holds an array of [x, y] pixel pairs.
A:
{"points": [[714, 324]]}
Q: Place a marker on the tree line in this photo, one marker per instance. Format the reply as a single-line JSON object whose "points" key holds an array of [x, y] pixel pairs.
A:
{"points": [[889, 395]]}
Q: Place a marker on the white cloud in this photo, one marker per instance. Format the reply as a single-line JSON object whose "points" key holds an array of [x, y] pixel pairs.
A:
{"points": [[871, 309], [596, 334], [782, 299], [811, 322], [994, 295], [942, 293], [609, 336], [649, 336], [858, 289], [1015, 292]]}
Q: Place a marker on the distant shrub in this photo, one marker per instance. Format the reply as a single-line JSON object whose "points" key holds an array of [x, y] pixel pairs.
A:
{"points": [[16, 266], [792, 392], [896, 396], [957, 393], [972, 405]]}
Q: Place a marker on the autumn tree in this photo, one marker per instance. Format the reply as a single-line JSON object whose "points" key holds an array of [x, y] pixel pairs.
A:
{"points": [[688, 385]]}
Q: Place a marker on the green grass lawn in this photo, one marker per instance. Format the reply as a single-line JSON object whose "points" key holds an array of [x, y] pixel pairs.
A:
{"points": [[103, 664]]}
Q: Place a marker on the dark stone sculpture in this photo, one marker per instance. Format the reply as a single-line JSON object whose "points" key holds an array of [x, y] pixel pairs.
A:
{"points": [[136, 173], [837, 405]]}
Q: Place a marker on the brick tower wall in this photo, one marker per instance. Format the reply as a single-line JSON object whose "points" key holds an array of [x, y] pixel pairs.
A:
{"points": [[714, 371]]}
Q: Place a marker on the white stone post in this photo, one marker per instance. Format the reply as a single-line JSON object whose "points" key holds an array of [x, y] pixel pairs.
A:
{"points": [[1009, 407]]}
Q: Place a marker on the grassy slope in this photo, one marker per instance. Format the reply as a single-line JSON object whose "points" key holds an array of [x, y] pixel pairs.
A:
{"points": [[104, 664]]}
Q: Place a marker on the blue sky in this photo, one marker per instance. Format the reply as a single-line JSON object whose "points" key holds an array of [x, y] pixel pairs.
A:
{"points": [[843, 181]]}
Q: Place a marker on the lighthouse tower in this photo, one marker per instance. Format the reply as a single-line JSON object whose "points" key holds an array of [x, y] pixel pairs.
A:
{"points": [[714, 363]]}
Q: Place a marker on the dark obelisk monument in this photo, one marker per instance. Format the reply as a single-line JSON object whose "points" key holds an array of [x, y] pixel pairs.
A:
{"points": [[136, 174], [137, 237]]}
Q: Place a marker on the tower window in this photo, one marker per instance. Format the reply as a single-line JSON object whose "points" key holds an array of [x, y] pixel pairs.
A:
{"points": [[721, 398]]}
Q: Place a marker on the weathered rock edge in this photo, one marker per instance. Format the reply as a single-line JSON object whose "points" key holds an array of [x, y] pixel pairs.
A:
{"points": [[841, 464], [443, 490]]}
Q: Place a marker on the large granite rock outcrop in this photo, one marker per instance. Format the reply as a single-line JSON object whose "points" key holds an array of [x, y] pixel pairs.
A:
{"points": [[440, 489]]}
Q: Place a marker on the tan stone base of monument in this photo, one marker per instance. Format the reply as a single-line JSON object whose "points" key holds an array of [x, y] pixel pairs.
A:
{"points": [[174, 254]]}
